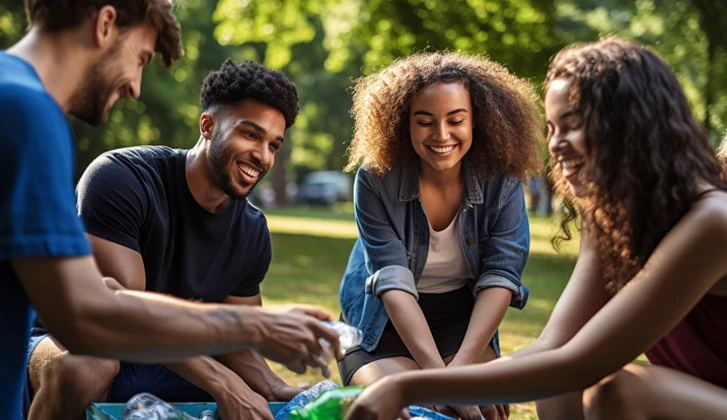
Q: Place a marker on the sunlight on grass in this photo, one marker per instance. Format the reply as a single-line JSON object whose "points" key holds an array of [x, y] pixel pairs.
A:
{"points": [[310, 255], [313, 226]]}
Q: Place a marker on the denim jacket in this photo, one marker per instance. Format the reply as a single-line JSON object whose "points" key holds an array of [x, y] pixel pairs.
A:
{"points": [[394, 242]]}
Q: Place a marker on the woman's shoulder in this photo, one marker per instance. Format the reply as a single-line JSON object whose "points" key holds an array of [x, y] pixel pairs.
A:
{"points": [[709, 211]]}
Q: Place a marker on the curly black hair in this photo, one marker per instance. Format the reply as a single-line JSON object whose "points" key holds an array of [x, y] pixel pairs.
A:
{"points": [[646, 154], [507, 127], [235, 82]]}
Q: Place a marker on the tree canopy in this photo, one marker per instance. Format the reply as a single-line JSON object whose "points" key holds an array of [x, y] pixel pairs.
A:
{"points": [[323, 45]]}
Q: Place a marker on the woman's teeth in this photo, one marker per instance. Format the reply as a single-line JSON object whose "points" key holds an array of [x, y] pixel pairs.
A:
{"points": [[571, 163], [441, 149]]}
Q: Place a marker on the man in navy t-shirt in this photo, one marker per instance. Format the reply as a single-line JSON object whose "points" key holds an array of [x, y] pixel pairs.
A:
{"points": [[177, 222], [79, 57]]}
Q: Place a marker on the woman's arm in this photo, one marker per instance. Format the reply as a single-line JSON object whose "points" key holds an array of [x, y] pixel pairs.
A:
{"points": [[583, 296], [490, 307], [683, 268], [409, 321]]}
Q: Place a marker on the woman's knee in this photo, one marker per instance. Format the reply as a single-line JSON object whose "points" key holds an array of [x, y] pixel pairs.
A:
{"points": [[566, 406], [372, 372], [616, 396]]}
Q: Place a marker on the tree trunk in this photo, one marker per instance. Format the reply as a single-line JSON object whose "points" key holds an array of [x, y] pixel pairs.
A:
{"points": [[279, 179], [709, 94]]}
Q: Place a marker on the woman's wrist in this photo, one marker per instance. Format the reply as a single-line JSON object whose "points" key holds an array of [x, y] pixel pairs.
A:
{"points": [[430, 363]]}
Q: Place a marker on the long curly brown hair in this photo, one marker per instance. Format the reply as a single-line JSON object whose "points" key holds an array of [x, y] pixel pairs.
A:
{"points": [[646, 153], [507, 124], [722, 151]]}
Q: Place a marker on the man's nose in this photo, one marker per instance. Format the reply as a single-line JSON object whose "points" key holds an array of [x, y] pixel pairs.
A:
{"points": [[262, 154]]}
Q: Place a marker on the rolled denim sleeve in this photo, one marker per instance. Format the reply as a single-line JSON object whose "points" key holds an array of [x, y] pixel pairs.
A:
{"points": [[504, 251], [382, 237]]}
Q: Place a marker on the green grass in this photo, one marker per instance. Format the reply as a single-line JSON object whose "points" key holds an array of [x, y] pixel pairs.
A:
{"points": [[311, 248]]}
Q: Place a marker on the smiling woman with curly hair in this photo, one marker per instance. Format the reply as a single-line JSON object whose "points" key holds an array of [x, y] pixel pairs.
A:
{"points": [[442, 141], [506, 125]]}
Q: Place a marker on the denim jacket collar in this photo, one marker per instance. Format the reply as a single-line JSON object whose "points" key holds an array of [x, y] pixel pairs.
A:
{"points": [[409, 188]]}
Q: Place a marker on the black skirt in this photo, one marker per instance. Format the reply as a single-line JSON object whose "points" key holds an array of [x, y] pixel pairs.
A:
{"points": [[447, 314]]}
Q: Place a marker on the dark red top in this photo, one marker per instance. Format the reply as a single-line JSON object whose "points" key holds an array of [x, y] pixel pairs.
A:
{"points": [[698, 344]]}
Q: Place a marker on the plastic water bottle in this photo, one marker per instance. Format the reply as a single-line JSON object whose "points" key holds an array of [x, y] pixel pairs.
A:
{"points": [[348, 336], [149, 407], [330, 405], [207, 415]]}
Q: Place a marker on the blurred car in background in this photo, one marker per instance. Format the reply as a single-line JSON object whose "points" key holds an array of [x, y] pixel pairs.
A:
{"points": [[324, 188]]}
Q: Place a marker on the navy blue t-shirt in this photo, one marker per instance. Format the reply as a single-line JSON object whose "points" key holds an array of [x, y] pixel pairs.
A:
{"points": [[138, 197], [37, 209]]}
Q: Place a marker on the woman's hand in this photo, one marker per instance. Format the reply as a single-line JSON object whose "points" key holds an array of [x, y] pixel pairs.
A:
{"points": [[381, 401], [489, 412]]}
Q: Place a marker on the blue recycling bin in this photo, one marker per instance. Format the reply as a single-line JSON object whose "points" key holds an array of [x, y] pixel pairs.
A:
{"points": [[111, 411]]}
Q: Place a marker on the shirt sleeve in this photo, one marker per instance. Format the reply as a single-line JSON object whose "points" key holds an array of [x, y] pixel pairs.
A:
{"points": [[384, 251], [112, 201], [37, 203], [504, 252], [250, 285]]}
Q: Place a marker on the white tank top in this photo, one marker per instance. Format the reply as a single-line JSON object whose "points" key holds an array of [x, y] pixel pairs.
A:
{"points": [[446, 267]]}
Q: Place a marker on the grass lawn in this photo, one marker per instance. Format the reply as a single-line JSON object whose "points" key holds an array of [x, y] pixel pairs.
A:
{"points": [[311, 247]]}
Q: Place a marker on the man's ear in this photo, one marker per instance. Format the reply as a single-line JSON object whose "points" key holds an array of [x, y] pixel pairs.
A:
{"points": [[105, 29], [206, 125]]}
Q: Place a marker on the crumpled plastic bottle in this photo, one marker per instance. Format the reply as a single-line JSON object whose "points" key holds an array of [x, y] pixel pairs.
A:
{"points": [[348, 336], [146, 406]]}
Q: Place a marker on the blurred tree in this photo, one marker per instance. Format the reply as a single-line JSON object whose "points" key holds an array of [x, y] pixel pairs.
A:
{"points": [[12, 22], [685, 32], [324, 44]]}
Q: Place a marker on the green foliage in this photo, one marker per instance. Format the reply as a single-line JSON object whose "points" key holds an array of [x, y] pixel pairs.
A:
{"points": [[12, 22], [324, 44], [682, 31]]}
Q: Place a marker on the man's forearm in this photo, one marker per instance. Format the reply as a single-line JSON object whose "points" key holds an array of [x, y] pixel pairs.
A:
{"points": [[205, 373], [148, 327], [254, 370]]}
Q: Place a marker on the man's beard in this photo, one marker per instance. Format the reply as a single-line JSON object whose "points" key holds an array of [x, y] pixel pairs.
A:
{"points": [[89, 103], [217, 160]]}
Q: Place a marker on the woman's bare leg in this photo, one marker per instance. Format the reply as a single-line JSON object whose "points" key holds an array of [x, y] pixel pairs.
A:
{"points": [[372, 372], [562, 407], [646, 392]]}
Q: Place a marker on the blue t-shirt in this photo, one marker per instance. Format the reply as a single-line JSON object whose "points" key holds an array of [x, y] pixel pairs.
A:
{"points": [[37, 209]]}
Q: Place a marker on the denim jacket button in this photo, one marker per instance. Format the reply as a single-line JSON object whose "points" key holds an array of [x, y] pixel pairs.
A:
{"points": [[470, 240]]}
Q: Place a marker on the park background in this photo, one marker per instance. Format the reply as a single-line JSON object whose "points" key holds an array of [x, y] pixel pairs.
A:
{"points": [[323, 45]]}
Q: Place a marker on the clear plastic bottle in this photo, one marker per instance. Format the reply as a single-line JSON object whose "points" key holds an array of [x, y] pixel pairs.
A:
{"points": [[207, 415], [149, 407], [348, 336], [330, 405]]}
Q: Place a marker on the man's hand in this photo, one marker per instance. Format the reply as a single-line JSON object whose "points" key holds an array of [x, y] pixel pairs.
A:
{"points": [[291, 335], [284, 393], [496, 412], [236, 401]]}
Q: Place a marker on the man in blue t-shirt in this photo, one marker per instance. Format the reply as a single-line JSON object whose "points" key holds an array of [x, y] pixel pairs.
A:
{"points": [[178, 222], [79, 57]]}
